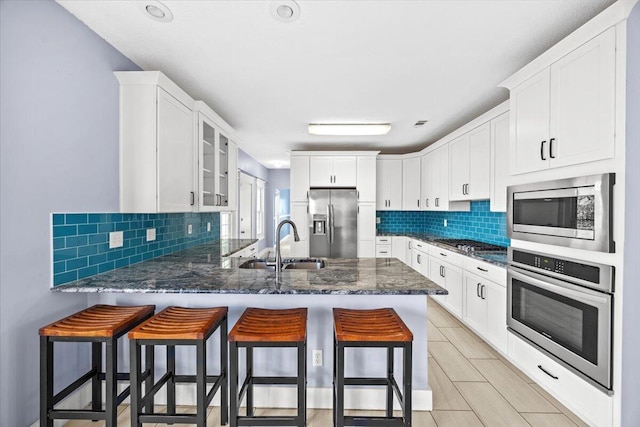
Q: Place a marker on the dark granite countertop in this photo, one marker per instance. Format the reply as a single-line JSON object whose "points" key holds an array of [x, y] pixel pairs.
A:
{"points": [[498, 258], [206, 269]]}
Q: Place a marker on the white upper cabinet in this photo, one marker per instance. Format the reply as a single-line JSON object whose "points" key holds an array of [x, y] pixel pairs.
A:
{"points": [[564, 115], [499, 162], [471, 165], [332, 171], [435, 182], [411, 184], [217, 165], [299, 176], [366, 181], [157, 150], [389, 184]]}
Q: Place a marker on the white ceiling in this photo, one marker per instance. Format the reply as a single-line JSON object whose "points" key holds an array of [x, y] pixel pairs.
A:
{"points": [[340, 61]]}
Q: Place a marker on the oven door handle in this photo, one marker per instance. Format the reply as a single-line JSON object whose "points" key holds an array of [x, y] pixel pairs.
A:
{"points": [[557, 286]]}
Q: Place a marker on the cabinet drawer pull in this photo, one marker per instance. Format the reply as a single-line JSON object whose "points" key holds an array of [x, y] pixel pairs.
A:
{"points": [[383, 252], [551, 148], [443, 254], [193, 198], [482, 269], [547, 372], [542, 157]]}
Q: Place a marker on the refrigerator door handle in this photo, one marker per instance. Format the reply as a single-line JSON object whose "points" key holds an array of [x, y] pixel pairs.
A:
{"points": [[328, 223], [332, 225]]}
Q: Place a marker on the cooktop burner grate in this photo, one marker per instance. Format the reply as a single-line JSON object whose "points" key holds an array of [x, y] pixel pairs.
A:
{"points": [[470, 245]]}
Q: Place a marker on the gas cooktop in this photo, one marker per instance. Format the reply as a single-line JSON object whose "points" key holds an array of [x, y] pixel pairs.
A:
{"points": [[471, 245]]}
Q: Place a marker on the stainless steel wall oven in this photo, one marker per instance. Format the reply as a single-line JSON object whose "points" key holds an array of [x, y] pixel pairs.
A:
{"points": [[564, 307], [573, 212]]}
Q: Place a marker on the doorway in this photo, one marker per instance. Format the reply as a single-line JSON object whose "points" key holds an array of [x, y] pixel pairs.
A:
{"points": [[246, 207]]}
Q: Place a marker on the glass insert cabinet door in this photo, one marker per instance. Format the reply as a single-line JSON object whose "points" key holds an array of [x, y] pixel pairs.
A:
{"points": [[213, 166]]}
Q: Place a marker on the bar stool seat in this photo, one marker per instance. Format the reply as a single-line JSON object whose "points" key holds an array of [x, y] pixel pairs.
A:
{"points": [[178, 326], [259, 327], [97, 324], [377, 328]]}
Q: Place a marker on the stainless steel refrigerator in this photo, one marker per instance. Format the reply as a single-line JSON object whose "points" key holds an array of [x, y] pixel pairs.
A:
{"points": [[334, 223]]}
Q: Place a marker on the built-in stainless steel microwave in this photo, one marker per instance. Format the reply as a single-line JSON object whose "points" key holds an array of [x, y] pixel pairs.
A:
{"points": [[575, 212]]}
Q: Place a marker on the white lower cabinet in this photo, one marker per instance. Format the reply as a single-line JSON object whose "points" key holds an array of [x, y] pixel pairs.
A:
{"points": [[420, 258], [366, 230], [580, 397], [449, 277], [399, 245], [248, 252], [485, 309]]}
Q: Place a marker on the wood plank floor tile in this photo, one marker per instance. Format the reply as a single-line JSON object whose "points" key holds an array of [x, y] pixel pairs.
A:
{"points": [[520, 394], [433, 333], [548, 420], [441, 318], [453, 363], [456, 419], [445, 395], [466, 343], [566, 411], [489, 405], [515, 369]]}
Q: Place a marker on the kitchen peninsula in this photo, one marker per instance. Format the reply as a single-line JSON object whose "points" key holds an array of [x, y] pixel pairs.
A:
{"points": [[203, 276]]}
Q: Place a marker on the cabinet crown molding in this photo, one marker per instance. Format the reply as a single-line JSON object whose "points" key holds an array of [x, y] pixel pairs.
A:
{"points": [[334, 153], [156, 78]]}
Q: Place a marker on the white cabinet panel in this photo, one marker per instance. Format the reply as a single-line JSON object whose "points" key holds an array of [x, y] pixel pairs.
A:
{"points": [[344, 171], [411, 184], [366, 230], [399, 246], [299, 178], [459, 171], [499, 162], [389, 184], [485, 309], [366, 181], [449, 277], [479, 163], [300, 216], [321, 171]]}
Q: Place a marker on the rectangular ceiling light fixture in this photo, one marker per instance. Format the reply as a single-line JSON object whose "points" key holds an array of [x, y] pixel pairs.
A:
{"points": [[354, 129]]}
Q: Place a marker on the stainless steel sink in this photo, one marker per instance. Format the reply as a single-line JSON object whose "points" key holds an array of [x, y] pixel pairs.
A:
{"points": [[303, 264], [258, 264], [287, 264]]}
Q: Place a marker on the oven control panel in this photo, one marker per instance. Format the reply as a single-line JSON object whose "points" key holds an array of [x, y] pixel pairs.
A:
{"points": [[561, 267]]}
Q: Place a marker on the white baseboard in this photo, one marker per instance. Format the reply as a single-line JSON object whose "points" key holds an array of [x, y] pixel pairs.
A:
{"points": [[269, 397]]}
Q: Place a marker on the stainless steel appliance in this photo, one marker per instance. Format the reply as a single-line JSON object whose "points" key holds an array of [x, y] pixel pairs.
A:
{"points": [[573, 212], [565, 307], [334, 223]]}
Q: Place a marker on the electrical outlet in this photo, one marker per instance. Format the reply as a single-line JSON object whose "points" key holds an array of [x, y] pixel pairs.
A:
{"points": [[445, 222], [377, 220], [151, 234], [317, 357], [116, 239], [208, 226], [189, 228]]}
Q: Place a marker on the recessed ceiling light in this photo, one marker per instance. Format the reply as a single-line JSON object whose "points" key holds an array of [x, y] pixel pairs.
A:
{"points": [[156, 10], [285, 10], [351, 129]]}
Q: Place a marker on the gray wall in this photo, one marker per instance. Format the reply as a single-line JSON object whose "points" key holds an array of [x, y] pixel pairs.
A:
{"points": [[58, 153], [251, 166], [631, 315], [278, 179]]}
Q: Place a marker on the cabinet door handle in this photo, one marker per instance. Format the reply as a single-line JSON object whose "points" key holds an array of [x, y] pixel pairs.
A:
{"points": [[478, 290], [409, 244], [542, 150], [193, 198], [547, 372], [463, 187], [482, 293], [418, 258], [551, 148], [358, 209], [482, 269], [307, 194], [427, 202], [437, 202], [418, 202], [358, 195]]}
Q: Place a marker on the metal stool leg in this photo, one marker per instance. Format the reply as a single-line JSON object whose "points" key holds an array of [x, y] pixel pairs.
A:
{"points": [[111, 380], [339, 408], [406, 381], [302, 380], [171, 383], [135, 382], [389, 382], [96, 383], [149, 366], [234, 402], [46, 381], [249, 368], [224, 373], [201, 384]]}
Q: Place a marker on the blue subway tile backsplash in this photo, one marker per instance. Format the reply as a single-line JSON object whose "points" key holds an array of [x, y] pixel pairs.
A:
{"points": [[81, 241], [479, 224]]}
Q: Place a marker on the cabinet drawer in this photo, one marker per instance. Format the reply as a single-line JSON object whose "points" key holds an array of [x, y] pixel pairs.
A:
{"points": [[581, 397], [420, 245], [383, 251], [383, 240], [447, 256], [487, 271]]}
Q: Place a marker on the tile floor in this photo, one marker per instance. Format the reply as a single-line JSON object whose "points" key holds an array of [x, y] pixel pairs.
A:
{"points": [[472, 385]]}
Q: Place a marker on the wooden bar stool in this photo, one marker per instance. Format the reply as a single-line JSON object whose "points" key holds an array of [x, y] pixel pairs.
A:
{"points": [[97, 324], [179, 326], [267, 328], [380, 328]]}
